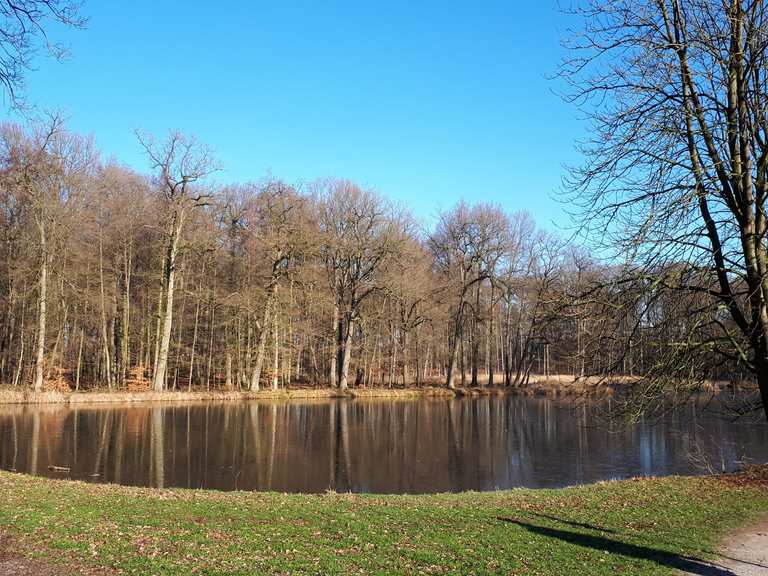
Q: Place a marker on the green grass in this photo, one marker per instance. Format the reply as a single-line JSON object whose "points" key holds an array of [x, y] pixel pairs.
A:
{"points": [[626, 527]]}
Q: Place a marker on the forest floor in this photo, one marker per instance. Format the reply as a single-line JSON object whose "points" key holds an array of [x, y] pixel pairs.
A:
{"points": [[641, 526]]}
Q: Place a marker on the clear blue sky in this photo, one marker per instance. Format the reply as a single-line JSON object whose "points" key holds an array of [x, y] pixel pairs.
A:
{"points": [[427, 102]]}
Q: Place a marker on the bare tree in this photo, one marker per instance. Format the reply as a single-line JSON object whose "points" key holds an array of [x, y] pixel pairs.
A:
{"points": [[676, 171], [181, 163], [358, 237], [279, 234], [23, 25], [43, 166], [467, 244]]}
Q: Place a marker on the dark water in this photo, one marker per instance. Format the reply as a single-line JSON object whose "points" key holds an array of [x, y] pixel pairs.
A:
{"points": [[425, 445]]}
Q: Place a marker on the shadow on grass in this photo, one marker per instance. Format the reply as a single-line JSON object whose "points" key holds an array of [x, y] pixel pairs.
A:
{"points": [[661, 557], [570, 522]]}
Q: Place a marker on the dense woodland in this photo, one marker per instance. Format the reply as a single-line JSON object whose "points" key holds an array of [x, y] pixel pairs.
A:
{"points": [[168, 280]]}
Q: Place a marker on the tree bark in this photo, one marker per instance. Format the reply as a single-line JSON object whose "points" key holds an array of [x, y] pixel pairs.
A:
{"points": [[177, 220], [261, 344], [103, 316], [454, 346], [335, 347], [41, 304], [346, 356], [276, 354], [194, 341]]}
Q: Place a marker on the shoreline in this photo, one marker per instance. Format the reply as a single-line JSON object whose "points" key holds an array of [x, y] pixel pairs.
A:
{"points": [[125, 397], [100, 396], [548, 389], [556, 387]]}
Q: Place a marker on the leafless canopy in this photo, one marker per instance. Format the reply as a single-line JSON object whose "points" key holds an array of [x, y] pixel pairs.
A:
{"points": [[23, 26], [676, 172]]}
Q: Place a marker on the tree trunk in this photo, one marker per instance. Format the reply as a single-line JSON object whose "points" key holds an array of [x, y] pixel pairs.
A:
{"points": [[158, 383], [158, 326], [228, 381], [79, 358], [475, 348], [762, 381], [276, 354], [454, 348], [404, 341], [335, 348], [194, 341], [261, 344], [490, 348], [179, 331], [41, 303], [346, 352], [20, 363], [126, 315], [103, 315]]}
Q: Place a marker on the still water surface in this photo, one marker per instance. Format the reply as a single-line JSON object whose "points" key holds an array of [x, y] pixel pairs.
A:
{"points": [[414, 446]]}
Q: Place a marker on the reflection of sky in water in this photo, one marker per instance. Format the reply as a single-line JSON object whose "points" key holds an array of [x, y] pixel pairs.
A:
{"points": [[427, 445]]}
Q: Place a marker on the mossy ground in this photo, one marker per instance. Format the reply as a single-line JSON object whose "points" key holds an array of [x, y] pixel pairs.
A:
{"points": [[646, 526]]}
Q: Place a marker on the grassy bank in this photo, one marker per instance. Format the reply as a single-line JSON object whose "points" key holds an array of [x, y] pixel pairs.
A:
{"points": [[552, 386], [627, 527], [17, 396], [100, 396]]}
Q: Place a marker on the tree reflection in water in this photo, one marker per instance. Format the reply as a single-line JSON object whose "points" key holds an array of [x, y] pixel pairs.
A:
{"points": [[425, 445]]}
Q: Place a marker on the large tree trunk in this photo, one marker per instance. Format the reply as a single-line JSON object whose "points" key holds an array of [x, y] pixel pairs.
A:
{"points": [[334, 377], [37, 384], [158, 324], [79, 359], [346, 355], [179, 333], [194, 340], [404, 342], [211, 329], [158, 383], [125, 315], [276, 354], [20, 362], [261, 344], [454, 347], [762, 380], [475, 336], [103, 316], [491, 342]]}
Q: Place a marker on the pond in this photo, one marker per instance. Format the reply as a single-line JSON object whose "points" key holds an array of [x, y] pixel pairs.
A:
{"points": [[384, 446]]}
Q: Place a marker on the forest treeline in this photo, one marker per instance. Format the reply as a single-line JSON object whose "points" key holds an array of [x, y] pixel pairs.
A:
{"points": [[111, 278]]}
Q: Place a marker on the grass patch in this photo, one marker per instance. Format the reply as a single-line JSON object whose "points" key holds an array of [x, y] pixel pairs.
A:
{"points": [[646, 526]]}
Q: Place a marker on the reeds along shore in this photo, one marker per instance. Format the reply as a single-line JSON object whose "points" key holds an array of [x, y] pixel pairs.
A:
{"points": [[554, 386]]}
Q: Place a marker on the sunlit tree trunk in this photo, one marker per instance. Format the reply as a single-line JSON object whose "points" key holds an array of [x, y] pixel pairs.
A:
{"points": [[346, 356], [335, 348], [194, 340], [103, 316], [261, 344], [37, 384], [276, 354], [177, 220]]}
